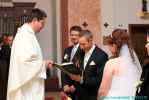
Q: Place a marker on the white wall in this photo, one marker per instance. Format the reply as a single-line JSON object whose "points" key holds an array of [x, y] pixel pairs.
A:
{"points": [[121, 13], [46, 35]]}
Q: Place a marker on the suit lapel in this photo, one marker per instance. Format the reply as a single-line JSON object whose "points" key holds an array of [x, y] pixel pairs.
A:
{"points": [[77, 59], [91, 58], [70, 50], [78, 53], [67, 54]]}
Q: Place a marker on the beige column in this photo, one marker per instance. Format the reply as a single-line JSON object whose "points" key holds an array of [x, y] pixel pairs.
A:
{"points": [[80, 11]]}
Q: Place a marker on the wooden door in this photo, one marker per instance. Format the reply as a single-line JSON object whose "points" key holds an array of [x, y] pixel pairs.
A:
{"points": [[138, 38]]}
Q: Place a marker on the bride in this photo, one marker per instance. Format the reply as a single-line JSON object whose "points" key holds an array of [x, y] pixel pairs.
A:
{"points": [[122, 71]]}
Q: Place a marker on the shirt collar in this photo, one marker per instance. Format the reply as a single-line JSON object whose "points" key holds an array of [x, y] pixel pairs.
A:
{"points": [[91, 50], [76, 46]]}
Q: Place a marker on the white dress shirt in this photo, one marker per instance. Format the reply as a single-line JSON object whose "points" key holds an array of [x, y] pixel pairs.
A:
{"points": [[88, 55], [74, 50]]}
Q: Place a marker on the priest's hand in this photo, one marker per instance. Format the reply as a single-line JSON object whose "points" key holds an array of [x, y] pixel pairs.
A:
{"points": [[75, 77], [68, 88], [49, 63]]}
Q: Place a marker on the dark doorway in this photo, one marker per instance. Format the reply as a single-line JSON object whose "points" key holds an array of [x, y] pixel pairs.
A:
{"points": [[138, 38]]}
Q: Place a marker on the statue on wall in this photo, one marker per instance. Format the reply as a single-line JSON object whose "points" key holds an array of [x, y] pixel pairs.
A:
{"points": [[144, 5]]}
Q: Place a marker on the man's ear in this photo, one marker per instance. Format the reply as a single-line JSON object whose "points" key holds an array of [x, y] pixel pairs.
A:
{"points": [[90, 39]]}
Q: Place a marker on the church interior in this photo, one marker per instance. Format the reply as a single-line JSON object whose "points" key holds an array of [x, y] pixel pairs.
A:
{"points": [[99, 16]]}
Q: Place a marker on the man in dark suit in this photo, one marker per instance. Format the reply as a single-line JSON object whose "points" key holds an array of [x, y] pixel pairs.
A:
{"points": [[4, 64], [143, 89], [72, 54], [93, 65], [6, 48]]}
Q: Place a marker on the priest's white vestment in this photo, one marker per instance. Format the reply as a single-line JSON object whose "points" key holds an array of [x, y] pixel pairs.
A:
{"points": [[27, 68]]}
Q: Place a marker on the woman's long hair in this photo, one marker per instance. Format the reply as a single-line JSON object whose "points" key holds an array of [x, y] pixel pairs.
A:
{"points": [[120, 37]]}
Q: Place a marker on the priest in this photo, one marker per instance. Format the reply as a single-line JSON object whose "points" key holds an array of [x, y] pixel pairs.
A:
{"points": [[27, 67]]}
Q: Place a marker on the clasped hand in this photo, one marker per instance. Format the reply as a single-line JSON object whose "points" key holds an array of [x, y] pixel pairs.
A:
{"points": [[49, 63]]}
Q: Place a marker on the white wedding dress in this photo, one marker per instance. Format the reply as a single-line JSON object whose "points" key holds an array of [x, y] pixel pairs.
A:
{"points": [[123, 85]]}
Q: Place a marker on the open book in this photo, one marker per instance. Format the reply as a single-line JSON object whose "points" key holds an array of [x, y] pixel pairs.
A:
{"points": [[67, 64], [68, 68]]}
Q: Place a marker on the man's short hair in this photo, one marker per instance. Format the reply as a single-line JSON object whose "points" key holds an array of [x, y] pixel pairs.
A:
{"points": [[75, 28], [86, 33], [36, 13]]}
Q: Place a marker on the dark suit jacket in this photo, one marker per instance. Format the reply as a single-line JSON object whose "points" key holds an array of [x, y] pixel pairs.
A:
{"points": [[144, 88], [4, 61], [76, 59], [5, 53], [4, 69], [92, 75]]}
